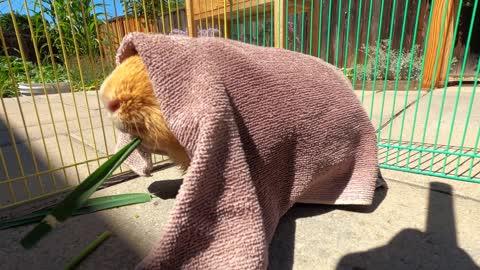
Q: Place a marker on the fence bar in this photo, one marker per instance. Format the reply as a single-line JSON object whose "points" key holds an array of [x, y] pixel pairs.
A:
{"points": [[27, 73], [320, 20], [412, 54], [39, 64], [379, 35], [256, 23], [162, 12], [225, 26], [462, 73], [475, 149], [337, 45], [170, 21], [345, 52], [470, 108], [367, 46], [450, 58], [389, 51], [218, 20], [420, 81], [280, 23], [250, 22], [327, 58], [310, 42], [177, 11], [135, 15], [397, 75], [437, 58], [73, 35], [155, 19], [303, 27], [357, 41], [213, 17]]}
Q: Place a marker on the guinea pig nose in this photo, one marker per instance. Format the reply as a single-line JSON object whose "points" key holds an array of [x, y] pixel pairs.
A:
{"points": [[113, 105]]}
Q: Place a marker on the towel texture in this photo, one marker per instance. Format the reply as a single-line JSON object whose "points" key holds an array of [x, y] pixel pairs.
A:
{"points": [[264, 128]]}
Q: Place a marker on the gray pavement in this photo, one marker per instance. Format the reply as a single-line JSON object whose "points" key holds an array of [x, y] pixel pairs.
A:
{"points": [[422, 222]]}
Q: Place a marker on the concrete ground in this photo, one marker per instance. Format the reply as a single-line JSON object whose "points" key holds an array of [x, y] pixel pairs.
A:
{"points": [[420, 222]]}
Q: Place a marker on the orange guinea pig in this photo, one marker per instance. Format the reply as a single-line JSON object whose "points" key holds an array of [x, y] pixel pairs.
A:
{"points": [[127, 94]]}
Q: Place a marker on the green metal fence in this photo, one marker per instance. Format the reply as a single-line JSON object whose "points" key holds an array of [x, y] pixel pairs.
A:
{"points": [[414, 66]]}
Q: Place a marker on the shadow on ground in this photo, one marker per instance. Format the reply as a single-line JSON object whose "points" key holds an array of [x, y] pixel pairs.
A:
{"points": [[165, 189], [21, 161], [68, 240], [436, 248], [281, 252]]}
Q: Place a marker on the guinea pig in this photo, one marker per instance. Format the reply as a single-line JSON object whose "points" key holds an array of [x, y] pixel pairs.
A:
{"points": [[127, 94]]}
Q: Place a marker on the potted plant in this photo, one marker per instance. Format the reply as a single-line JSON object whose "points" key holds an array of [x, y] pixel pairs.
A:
{"points": [[16, 67], [49, 84]]}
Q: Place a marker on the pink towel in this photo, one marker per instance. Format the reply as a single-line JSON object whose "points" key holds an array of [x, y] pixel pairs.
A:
{"points": [[264, 128]]}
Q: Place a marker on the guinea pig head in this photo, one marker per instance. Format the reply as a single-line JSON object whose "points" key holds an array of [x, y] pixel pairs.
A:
{"points": [[128, 96]]}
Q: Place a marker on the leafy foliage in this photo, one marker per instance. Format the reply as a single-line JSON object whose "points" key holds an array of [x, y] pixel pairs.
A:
{"points": [[8, 29], [6, 23], [74, 23], [7, 87], [151, 7], [394, 57]]}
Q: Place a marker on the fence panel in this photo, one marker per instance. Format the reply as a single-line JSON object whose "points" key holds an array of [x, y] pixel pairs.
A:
{"points": [[414, 66]]}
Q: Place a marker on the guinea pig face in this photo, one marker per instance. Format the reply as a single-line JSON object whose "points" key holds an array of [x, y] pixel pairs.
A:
{"points": [[127, 94]]}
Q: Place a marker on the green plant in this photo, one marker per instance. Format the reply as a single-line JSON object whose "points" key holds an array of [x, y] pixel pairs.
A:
{"points": [[23, 27], [75, 23], [78, 259], [6, 23], [90, 71], [8, 89], [90, 206], [151, 7], [348, 72], [78, 197], [394, 57]]}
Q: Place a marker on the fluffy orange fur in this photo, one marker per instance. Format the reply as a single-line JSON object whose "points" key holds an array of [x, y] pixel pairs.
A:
{"points": [[139, 112]]}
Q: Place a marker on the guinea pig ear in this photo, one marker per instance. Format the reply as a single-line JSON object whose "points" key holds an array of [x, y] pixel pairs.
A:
{"points": [[139, 160]]}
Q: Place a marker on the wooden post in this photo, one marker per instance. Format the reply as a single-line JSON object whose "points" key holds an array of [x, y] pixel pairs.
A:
{"points": [[449, 42], [435, 40], [190, 18], [279, 23]]}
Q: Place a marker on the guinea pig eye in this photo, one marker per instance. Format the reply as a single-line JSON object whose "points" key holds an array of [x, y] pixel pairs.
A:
{"points": [[113, 105]]}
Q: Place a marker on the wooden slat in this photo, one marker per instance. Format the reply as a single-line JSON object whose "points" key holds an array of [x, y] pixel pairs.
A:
{"points": [[435, 40], [190, 18], [353, 33], [449, 42], [315, 28]]}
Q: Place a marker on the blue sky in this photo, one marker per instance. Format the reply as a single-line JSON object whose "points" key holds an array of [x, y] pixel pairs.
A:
{"points": [[18, 5]]}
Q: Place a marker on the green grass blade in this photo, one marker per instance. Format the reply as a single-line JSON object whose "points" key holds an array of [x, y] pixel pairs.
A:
{"points": [[92, 205], [78, 196], [77, 260], [107, 202]]}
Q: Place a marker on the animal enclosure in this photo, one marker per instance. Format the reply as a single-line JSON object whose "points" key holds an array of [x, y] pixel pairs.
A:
{"points": [[414, 66]]}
